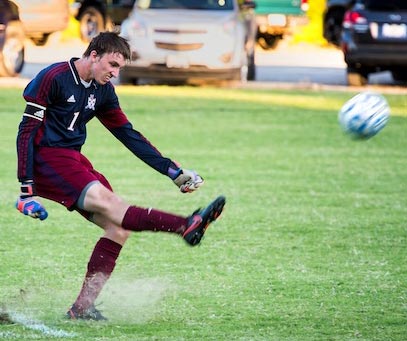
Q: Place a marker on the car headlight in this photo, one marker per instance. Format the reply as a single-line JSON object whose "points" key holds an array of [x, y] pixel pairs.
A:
{"points": [[133, 28]]}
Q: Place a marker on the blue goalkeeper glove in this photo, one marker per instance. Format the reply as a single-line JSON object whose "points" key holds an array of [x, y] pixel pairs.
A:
{"points": [[188, 180], [27, 205]]}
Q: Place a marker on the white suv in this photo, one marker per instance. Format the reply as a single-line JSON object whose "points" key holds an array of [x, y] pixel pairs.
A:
{"points": [[182, 40]]}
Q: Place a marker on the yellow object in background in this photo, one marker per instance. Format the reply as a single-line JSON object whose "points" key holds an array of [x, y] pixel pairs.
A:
{"points": [[312, 32], [73, 29]]}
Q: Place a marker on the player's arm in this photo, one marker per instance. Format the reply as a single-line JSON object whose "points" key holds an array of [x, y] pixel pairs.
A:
{"points": [[26, 202], [33, 117], [122, 129]]}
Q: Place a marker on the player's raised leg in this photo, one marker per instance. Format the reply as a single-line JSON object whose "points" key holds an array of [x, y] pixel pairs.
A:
{"points": [[199, 221]]}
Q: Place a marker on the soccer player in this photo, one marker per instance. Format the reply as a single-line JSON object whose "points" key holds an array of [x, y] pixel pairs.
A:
{"points": [[60, 101]]}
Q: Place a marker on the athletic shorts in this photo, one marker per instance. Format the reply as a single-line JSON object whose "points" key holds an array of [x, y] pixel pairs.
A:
{"points": [[62, 174]]}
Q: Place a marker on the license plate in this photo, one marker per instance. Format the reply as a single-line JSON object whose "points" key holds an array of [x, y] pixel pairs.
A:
{"points": [[174, 61], [394, 31], [277, 20]]}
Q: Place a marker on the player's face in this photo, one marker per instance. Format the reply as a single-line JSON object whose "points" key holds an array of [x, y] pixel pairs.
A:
{"points": [[106, 66]]}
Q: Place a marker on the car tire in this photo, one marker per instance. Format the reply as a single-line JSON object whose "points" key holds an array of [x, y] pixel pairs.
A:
{"points": [[251, 68], [356, 77], [127, 80], [399, 75], [41, 40], [91, 23], [12, 54], [333, 26], [268, 42]]}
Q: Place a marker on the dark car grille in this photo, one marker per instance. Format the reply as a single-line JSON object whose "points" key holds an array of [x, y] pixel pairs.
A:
{"points": [[179, 31]]}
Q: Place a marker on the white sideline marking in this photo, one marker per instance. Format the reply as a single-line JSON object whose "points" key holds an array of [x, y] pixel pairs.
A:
{"points": [[40, 327]]}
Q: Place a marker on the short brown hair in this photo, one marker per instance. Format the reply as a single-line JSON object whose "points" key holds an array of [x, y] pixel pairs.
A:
{"points": [[109, 42]]}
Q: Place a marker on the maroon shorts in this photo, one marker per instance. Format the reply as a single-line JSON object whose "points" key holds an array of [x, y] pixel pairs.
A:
{"points": [[62, 174]]}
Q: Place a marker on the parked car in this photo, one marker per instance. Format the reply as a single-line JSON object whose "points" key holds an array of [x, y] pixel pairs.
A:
{"points": [[40, 18], [190, 39], [96, 16], [274, 19], [374, 38], [333, 18], [11, 40]]}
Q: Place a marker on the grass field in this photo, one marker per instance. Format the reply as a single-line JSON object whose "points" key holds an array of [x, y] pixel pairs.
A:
{"points": [[312, 245]]}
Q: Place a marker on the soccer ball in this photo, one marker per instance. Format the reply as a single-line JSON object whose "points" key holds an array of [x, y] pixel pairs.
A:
{"points": [[364, 115]]}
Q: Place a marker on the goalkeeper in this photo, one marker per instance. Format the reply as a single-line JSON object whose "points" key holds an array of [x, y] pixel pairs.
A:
{"points": [[60, 101]]}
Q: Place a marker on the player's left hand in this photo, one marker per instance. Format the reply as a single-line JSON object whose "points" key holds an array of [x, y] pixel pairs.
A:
{"points": [[188, 181]]}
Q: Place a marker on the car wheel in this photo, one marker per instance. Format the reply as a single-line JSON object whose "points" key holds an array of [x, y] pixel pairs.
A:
{"points": [[41, 40], [333, 26], [127, 80], [12, 60], [251, 68], [268, 42], [356, 77], [91, 23], [399, 75]]}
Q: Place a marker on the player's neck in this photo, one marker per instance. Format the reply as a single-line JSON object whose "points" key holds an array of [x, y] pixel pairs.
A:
{"points": [[84, 69]]}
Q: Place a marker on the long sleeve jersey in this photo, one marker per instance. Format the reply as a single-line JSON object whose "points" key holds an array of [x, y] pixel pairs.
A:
{"points": [[58, 107]]}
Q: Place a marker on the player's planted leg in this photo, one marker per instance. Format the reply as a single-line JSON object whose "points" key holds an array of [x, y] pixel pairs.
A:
{"points": [[89, 314]]}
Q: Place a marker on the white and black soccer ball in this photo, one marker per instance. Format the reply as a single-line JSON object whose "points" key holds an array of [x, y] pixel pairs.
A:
{"points": [[364, 115]]}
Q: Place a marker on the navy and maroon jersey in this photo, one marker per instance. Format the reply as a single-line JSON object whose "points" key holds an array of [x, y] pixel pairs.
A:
{"points": [[58, 108]]}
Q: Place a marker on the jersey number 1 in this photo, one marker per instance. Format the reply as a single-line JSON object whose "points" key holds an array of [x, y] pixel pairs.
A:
{"points": [[75, 117]]}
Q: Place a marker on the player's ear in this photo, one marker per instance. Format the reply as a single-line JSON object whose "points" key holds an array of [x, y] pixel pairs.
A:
{"points": [[93, 55]]}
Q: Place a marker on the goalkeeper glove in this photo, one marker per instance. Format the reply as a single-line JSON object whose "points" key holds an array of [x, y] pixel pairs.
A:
{"points": [[27, 205], [188, 180]]}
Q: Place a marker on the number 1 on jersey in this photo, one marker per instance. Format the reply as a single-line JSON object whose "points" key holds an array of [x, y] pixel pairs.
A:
{"points": [[75, 117]]}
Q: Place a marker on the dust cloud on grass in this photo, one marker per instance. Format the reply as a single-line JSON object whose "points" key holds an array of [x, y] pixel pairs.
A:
{"points": [[133, 300], [122, 300]]}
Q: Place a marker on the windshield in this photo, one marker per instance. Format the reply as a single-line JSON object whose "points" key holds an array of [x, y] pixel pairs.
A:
{"points": [[386, 5], [186, 4]]}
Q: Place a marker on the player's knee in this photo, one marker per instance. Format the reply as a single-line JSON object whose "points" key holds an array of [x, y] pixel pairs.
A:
{"points": [[118, 234]]}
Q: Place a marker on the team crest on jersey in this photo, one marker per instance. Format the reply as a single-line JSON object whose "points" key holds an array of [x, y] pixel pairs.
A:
{"points": [[91, 102]]}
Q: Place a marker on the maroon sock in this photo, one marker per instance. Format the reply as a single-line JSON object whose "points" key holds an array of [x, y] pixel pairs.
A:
{"points": [[100, 267], [148, 219]]}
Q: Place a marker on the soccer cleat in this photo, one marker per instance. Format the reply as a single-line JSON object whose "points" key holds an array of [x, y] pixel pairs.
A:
{"points": [[199, 221], [90, 314]]}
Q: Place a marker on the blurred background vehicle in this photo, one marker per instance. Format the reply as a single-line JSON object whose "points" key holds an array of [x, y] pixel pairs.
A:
{"points": [[40, 18], [275, 18], [374, 38], [183, 40], [333, 18], [11, 40], [96, 16]]}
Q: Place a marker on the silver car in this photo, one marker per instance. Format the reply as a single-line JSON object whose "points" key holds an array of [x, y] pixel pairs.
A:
{"points": [[183, 40]]}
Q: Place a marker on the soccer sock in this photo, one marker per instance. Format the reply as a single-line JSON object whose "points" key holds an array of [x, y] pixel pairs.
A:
{"points": [[148, 219], [100, 267]]}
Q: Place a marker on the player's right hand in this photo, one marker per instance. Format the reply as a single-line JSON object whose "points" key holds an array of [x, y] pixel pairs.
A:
{"points": [[27, 205], [31, 207]]}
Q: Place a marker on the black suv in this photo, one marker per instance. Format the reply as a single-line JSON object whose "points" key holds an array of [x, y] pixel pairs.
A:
{"points": [[374, 38], [11, 40], [332, 19], [96, 16]]}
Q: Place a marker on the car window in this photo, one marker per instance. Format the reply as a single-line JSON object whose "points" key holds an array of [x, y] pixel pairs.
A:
{"points": [[386, 5], [186, 4]]}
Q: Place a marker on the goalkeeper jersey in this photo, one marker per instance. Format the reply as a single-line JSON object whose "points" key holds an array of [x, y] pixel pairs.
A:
{"points": [[58, 107]]}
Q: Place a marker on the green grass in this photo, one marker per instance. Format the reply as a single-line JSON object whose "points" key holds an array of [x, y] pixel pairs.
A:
{"points": [[312, 245]]}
